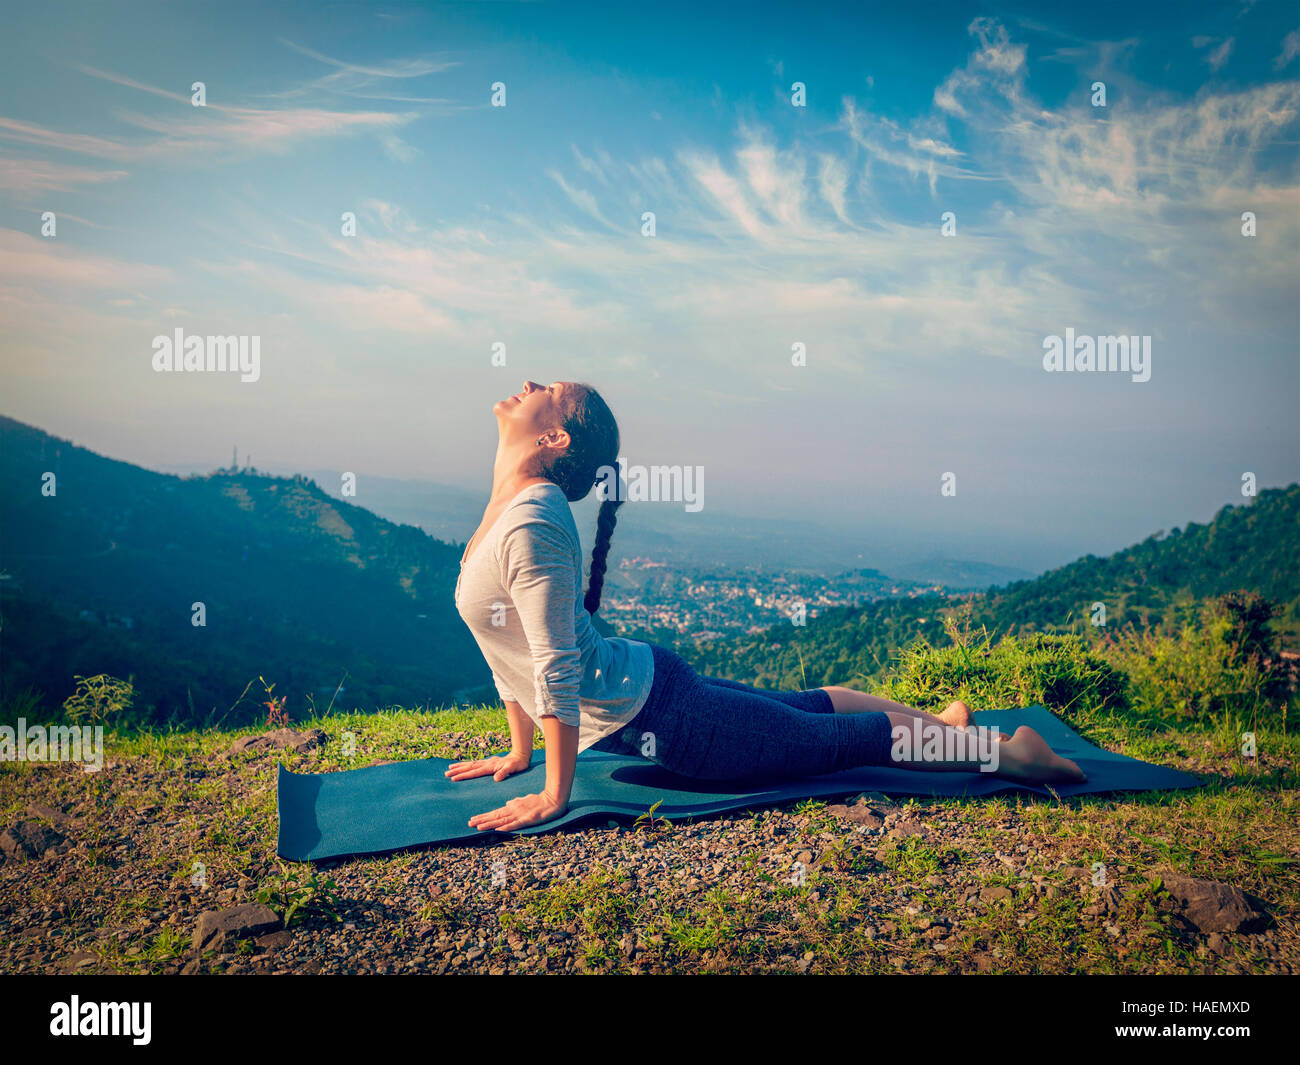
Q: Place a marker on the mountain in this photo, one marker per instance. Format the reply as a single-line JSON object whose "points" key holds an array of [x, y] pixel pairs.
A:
{"points": [[311, 591], [1253, 547], [308, 591], [686, 541]]}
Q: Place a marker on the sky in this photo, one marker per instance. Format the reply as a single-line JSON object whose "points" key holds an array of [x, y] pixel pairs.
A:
{"points": [[775, 225]]}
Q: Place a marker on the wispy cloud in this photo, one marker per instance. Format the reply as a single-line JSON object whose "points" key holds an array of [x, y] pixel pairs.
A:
{"points": [[1217, 56], [34, 261], [192, 133], [1290, 49], [24, 177]]}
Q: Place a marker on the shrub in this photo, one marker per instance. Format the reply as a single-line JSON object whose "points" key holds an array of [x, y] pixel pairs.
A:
{"points": [[99, 698], [1060, 671], [1222, 664]]}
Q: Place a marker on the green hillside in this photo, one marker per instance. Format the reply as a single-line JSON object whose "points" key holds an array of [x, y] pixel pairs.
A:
{"points": [[1157, 584], [302, 589]]}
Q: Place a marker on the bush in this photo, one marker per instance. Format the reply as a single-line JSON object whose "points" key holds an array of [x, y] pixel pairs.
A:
{"points": [[98, 698], [1222, 664], [1060, 671]]}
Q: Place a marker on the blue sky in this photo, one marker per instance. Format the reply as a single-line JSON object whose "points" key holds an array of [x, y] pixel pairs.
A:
{"points": [[775, 224]]}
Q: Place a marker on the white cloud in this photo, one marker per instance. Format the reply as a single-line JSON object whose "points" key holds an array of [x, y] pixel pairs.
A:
{"points": [[1290, 49]]}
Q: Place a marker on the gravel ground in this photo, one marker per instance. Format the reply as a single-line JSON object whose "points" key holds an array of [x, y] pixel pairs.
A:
{"points": [[103, 883]]}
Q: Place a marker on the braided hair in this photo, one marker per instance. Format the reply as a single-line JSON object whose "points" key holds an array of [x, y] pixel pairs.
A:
{"points": [[593, 445]]}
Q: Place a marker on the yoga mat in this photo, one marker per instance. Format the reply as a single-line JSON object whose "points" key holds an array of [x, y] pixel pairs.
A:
{"points": [[408, 804]]}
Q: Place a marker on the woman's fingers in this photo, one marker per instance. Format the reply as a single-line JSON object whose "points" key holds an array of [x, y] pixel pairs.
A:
{"points": [[489, 820], [502, 819], [465, 770]]}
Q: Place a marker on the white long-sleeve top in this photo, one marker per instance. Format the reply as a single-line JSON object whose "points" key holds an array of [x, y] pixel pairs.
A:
{"points": [[520, 593]]}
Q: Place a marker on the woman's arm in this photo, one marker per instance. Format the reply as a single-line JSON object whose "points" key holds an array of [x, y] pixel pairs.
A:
{"points": [[522, 731], [561, 759], [553, 800], [540, 575]]}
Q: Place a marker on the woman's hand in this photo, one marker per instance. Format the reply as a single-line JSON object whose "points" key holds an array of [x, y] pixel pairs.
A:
{"points": [[520, 813], [499, 767]]}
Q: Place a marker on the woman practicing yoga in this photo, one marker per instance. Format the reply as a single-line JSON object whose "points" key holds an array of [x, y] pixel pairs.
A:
{"points": [[520, 593]]}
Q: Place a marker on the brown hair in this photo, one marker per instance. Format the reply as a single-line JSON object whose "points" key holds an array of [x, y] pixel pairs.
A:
{"points": [[593, 445]]}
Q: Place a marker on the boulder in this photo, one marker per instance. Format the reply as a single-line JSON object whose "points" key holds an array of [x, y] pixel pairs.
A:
{"points": [[28, 839], [1210, 906], [216, 928]]}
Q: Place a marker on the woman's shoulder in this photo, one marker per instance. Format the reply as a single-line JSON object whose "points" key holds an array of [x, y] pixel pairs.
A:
{"points": [[540, 508]]}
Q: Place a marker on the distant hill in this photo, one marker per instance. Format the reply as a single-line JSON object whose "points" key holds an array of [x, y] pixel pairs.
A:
{"points": [[1255, 547], [303, 589], [308, 591]]}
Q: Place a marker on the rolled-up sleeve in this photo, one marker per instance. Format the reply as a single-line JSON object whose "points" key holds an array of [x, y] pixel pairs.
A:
{"points": [[539, 574]]}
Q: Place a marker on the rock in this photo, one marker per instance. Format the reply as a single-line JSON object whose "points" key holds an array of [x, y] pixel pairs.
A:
{"points": [[876, 797], [28, 839], [282, 737], [1210, 906], [860, 815], [273, 940], [1105, 900], [217, 928], [48, 813], [79, 960]]}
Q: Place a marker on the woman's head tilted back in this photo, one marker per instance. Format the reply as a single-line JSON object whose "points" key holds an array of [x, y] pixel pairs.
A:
{"points": [[576, 432]]}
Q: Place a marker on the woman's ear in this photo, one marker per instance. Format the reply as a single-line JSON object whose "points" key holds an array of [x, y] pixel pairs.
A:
{"points": [[556, 438]]}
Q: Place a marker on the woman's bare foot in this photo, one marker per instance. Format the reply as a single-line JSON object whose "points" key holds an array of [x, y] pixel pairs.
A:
{"points": [[960, 715], [1027, 756]]}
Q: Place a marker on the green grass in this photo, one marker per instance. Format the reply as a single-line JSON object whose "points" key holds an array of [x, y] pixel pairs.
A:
{"points": [[1241, 828]]}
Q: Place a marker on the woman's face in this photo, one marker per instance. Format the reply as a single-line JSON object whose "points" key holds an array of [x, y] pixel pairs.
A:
{"points": [[536, 409]]}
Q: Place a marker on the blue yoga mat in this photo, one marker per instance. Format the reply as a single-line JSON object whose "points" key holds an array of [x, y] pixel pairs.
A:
{"points": [[409, 804]]}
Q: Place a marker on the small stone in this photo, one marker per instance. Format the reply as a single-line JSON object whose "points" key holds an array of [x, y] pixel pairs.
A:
{"points": [[273, 940], [861, 815], [284, 737]]}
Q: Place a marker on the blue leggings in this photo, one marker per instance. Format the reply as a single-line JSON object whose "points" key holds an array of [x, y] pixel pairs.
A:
{"points": [[713, 729]]}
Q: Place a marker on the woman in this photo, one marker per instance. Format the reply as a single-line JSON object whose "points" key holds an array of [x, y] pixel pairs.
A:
{"points": [[519, 593]]}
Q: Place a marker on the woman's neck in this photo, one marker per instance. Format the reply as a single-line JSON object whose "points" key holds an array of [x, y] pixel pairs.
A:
{"points": [[512, 472]]}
